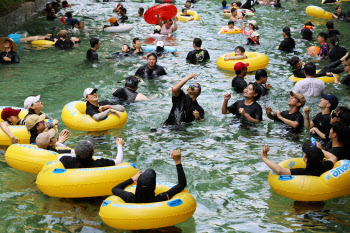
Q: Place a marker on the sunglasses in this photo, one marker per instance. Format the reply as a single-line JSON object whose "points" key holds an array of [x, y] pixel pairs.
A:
{"points": [[334, 114], [192, 86]]}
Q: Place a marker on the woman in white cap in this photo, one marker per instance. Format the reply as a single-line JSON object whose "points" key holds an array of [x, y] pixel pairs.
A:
{"points": [[9, 50], [253, 26], [253, 39]]}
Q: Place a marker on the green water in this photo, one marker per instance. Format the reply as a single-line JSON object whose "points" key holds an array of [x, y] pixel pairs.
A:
{"points": [[222, 162]]}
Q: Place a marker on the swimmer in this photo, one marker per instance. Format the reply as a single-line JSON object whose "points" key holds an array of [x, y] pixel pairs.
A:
{"points": [[248, 111], [124, 53], [346, 79], [322, 40], [63, 42], [338, 13], [224, 5], [197, 55], [234, 17], [128, 93], [112, 23], [253, 39], [166, 27], [151, 70], [253, 26], [238, 82], [337, 52], [230, 26], [185, 108], [51, 15], [10, 117], [122, 15], [99, 110], [146, 184], [47, 141], [184, 14], [239, 54], [331, 32], [288, 44], [236, 5], [136, 47], [70, 20], [84, 151], [261, 79], [312, 156], [187, 5], [91, 54], [117, 9], [8, 50], [292, 119], [140, 12], [156, 30]]}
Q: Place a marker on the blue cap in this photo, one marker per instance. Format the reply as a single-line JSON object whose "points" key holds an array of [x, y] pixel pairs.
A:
{"points": [[333, 100]]}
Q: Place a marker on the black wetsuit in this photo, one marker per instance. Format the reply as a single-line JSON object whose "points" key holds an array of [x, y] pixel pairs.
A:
{"points": [[239, 84], [182, 110], [12, 55], [72, 162], [288, 44], [122, 19], [92, 109], [332, 33], [325, 166], [91, 55], [297, 116], [299, 73], [64, 44], [129, 197], [340, 152], [264, 90], [198, 56], [342, 15], [336, 53], [346, 80], [125, 94], [146, 73], [132, 50], [254, 110]]}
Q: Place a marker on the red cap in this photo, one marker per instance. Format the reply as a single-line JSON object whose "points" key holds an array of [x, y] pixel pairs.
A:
{"points": [[240, 65], [7, 112]]}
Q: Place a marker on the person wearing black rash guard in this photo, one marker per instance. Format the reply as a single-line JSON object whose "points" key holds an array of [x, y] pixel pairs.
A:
{"points": [[248, 4], [288, 44], [312, 156], [120, 55], [84, 150], [63, 42], [197, 55], [151, 70], [331, 32], [337, 52], [346, 79], [146, 185], [261, 79], [292, 119], [238, 82], [338, 14], [185, 107], [91, 54], [299, 71], [99, 110], [128, 93], [9, 50], [247, 110], [122, 17], [47, 141], [136, 47]]}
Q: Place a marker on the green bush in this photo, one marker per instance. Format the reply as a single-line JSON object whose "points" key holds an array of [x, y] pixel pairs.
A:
{"points": [[7, 6]]}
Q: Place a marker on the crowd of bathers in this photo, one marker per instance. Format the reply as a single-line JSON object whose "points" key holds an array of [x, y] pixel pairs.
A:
{"points": [[330, 126]]}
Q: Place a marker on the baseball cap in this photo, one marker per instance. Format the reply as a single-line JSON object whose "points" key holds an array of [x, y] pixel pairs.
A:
{"points": [[253, 22], [30, 101], [333, 100], [312, 152], [7, 112], [300, 97], [240, 65], [112, 20], [43, 139], [33, 120], [89, 91], [160, 44], [84, 148], [147, 180], [157, 28], [254, 34]]}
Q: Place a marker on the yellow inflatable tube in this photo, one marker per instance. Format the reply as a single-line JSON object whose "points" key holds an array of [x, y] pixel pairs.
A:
{"points": [[331, 184], [56, 181], [326, 79], [73, 116], [318, 12], [256, 61], [42, 42], [182, 18], [28, 158], [226, 30], [19, 131], [129, 216]]}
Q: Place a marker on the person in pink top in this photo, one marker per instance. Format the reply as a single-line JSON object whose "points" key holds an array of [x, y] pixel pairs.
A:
{"points": [[253, 26], [166, 27]]}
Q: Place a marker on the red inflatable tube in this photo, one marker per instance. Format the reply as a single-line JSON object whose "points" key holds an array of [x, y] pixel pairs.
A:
{"points": [[165, 11]]}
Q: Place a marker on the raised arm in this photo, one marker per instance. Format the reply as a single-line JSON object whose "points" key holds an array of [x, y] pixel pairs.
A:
{"points": [[273, 166], [269, 113], [118, 190], [120, 143], [224, 109], [177, 87], [159, 21], [174, 28], [307, 123]]}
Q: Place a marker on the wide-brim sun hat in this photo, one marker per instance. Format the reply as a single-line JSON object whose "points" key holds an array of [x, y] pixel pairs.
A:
{"points": [[14, 45]]}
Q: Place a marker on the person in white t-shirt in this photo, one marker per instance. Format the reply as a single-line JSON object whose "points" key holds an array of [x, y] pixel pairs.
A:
{"points": [[310, 86]]}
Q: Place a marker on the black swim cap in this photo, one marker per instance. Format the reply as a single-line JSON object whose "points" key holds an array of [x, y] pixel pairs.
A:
{"points": [[147, 179]]}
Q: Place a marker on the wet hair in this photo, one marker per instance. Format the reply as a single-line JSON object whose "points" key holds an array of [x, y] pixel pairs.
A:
{"points": [[260, 73], [337, 7], [233, 10], [344, 114], [142, 9], [145, 193], [94, 42], [135, 39], [127, 45], [314, 161], [224, 3], [342, 130], [123, 9], [330, 25], [323, 35], [240, 49], [68, 14], [310, 69], [257, 90], [334, 41], [152, 54], [293, 61], [197, 42], [131, 82]]}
